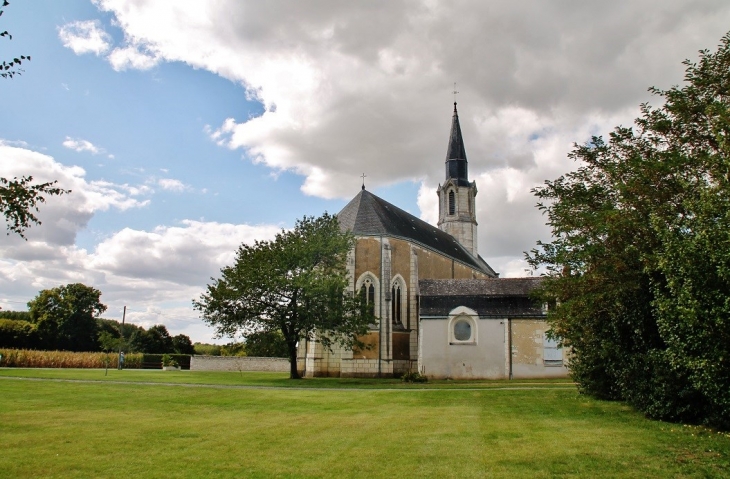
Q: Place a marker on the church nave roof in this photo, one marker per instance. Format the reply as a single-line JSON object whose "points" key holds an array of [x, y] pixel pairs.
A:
{"points": [[370, 215]]}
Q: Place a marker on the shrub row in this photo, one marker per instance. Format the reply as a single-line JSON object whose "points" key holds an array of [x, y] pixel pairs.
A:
{"points": [[154, 361], [24, 358]]}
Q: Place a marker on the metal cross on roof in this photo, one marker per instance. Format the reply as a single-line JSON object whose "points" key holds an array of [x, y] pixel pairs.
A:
{"points": [[454, 92], [363, 180]]}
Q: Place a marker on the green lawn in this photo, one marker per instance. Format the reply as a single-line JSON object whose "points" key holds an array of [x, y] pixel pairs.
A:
{"points": [[188, 424]]}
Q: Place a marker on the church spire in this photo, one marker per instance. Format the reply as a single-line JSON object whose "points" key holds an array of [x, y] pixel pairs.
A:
{"points": [[456, 165], [457, 209]]}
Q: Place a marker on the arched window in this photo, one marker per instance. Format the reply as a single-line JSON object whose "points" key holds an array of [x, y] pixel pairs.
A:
{"points": [[367, 294], [452, 203], [367, 287], [396, 306], [463, 326], [462, 330]]}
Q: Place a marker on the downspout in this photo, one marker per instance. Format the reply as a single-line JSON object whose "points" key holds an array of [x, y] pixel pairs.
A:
{"points": [[509, 345], [380, 319]]}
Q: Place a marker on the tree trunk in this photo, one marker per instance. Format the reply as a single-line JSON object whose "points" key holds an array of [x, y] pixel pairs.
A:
{"points": [[293, 372]]}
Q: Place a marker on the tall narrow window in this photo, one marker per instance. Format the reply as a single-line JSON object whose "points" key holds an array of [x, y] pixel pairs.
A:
{"points": [[452, 203], [367, 294], [396, 305]]}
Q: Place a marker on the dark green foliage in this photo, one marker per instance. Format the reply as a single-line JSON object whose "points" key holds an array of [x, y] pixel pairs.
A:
{"points": [[110, 338], [155, 361], [17, 315], [233, 349], [64, 317], [181, 344], [640, 260], [266, 344], [18, 334], [295, 284], [156, 340], [413, 377], [207, 349], [169, 361]]}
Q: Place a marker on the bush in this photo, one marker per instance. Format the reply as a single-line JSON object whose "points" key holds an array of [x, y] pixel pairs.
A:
{"points": [[413, 377], [156, 361], [18, 334]]}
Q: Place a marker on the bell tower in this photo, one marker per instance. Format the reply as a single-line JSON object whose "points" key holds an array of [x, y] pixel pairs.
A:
{"points": [[457, 212]]}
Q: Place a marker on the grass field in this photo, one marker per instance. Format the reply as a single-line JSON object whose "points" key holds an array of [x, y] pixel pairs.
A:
{"points": [[81, 423]]}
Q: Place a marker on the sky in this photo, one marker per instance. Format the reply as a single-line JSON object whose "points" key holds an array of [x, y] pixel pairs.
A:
{"points": [[187, 128]]}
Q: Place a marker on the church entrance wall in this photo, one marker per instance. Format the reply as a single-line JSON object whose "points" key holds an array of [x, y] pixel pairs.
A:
{"points": [[463, 346]]}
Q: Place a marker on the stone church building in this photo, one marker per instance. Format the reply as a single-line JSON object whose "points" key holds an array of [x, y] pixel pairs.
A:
{"points": [[442, 310]]}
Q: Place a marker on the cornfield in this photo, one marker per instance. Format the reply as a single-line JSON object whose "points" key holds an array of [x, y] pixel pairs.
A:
{"points": [[25, 358]]}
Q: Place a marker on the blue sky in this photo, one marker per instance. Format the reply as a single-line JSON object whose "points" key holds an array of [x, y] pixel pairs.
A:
{"points": [[186, 128]]}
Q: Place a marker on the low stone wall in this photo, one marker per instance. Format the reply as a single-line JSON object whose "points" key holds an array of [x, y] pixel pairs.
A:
{"points": [[238, 363]]}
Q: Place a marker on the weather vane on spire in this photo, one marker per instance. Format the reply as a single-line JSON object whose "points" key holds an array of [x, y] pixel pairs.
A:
{"points": [[363, 180], [454, 92]]}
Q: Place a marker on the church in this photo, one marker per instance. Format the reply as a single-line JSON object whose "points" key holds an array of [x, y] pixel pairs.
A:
{"points": [[441, 310]]}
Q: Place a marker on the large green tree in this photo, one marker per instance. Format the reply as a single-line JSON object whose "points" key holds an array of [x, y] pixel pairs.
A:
{"points": [[65, 317], [296, 284], [639, 263], [266, 344]]}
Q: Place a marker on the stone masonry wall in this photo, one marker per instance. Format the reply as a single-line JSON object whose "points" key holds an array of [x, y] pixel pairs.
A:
{"points": [[238, 363]]}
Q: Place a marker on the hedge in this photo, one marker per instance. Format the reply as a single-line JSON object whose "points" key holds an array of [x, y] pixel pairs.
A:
{"points": [[154, 361]]}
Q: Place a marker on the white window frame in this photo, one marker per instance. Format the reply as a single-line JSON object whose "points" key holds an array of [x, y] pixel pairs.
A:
{"points": [[469, 316]]}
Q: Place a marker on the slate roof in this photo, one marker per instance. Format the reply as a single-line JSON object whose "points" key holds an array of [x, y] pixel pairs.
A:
{"points": [[370, 215], [457, 168], [466, 287], [490, 298]]}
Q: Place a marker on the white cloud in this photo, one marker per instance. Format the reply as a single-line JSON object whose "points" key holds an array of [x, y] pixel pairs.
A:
{"points": [[353, 87], [157, 271], [349, 87], [77, 144], [64, 216], [131, 57], [170, 184], [85, 37], [149, 271]]}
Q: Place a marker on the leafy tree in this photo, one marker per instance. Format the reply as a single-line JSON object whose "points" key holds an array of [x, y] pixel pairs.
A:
{"points": [[18, 315], [64, 317], [155, 340], [18, 334], [8, 69], [110, 338], [640, 258], [181, 344], [266, 344], [19, 197], [207, 349], [294, 284], [234, 349]]}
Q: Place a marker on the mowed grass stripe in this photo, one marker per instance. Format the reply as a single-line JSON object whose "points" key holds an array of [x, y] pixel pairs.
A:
{"points": [[262, 379], [65, 429]]}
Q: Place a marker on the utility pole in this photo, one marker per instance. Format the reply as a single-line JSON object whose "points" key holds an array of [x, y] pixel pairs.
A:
{"points": [[121, 335]]}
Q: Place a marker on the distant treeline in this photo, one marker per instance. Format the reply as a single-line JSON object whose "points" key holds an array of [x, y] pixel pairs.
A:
{"points": [[18, 330], [264, 344]]}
